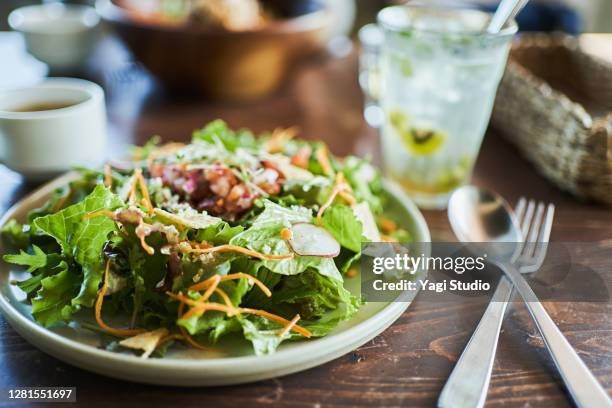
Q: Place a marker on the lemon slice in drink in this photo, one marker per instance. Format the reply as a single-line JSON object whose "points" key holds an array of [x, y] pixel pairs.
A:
{"points": [[423, 141]]}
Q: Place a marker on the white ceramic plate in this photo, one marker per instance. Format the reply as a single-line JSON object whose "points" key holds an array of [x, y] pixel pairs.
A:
{"points": [[190, 367]]}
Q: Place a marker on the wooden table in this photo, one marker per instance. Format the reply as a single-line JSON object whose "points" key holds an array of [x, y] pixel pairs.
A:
{"points": [[408, 364]]}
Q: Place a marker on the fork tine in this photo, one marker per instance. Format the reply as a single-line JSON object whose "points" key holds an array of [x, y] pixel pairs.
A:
{"points": [[533, 263], [534, 230], [547, 227], [527, 220], [537, 222], [540, 252], [519, 211]]}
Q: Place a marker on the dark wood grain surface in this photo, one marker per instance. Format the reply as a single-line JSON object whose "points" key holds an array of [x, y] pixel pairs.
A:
{"points": [[408, 364]]}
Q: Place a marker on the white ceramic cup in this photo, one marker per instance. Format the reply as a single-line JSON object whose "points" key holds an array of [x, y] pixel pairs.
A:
{"points": [[61, 35], [40, 144]]}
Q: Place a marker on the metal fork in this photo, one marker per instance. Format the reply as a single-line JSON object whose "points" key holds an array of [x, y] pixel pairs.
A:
{"points": [[468, 383]]}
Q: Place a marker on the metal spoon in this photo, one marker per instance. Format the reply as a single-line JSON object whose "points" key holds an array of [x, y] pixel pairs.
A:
{"points": [[480, 216], [506, 11]]}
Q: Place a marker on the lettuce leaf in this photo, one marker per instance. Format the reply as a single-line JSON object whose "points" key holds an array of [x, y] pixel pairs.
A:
{"points": [[258, 331], [15, 235], [312, 192], [54, 300], [212, 320], [341, 222], [39, 264], [218, 234], [322, 302], [264, 236], [365, 180], [217, 131], [33, 261], [145, 272], [82, 239], [275, 215], [72, 193]]}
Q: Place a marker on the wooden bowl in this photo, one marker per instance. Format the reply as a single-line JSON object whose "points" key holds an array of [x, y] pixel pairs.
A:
{"points": [[216, 62]]}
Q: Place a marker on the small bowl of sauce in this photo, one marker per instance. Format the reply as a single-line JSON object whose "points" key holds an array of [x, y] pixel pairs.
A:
{"points": [[42, 106], [48, 128]]}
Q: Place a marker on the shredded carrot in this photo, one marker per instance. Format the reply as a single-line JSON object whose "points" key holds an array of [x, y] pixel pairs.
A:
{"points": [[98, 310], [227, 300], [341, 188], [238, 275], [98, 213], [335, 191], [195, 303], [252, 280], [301, 157], [202, 285], [182, 298], [348, 197], [148, 249], [140, 233], [202, 300], [286, 234], [202, 244], [339, 179], [323, 158], [279, 137], [108, 176], [387, 238], [209, 291], [133, 185], [288, 327], [387, 225], [169, 337], [138, 182], [191, 341], [235, 248], [304, 332], [201, 307], [186, 335], [345, 195], [146, 199], [351, 273]]}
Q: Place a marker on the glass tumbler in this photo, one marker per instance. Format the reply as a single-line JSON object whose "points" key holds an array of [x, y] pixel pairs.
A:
{"points": [[439, 73]]}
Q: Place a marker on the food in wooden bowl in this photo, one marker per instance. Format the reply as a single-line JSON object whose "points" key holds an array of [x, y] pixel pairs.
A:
{"points": [[222, 49]]}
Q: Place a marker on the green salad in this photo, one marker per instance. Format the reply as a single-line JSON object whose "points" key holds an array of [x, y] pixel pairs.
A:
{"points": [[188, 243]]}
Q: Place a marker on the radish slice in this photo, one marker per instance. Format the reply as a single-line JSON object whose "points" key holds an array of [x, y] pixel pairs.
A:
{"points": [[311, 240]]}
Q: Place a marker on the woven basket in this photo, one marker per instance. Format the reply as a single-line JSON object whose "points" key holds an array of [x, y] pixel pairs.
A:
{"points": [[555, 105]]}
